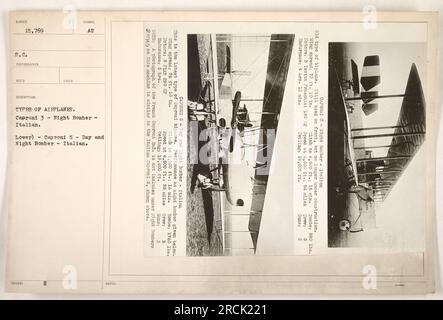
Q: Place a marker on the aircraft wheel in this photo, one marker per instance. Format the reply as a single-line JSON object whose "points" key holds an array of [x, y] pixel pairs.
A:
{"points": [[207, 122], [344, 225]]}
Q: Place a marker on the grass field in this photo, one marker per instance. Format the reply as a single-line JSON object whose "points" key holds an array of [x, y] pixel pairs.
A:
{"points": [[203, 223]]}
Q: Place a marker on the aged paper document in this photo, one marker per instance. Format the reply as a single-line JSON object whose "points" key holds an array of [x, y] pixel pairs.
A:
{"points": [[203, 152]]}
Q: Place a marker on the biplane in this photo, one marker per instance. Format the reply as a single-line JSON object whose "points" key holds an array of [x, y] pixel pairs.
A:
{"points": [[243, 147]]}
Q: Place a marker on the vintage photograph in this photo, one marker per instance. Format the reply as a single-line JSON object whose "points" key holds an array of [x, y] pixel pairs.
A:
{"points": [[236, 84], [376, 132]]}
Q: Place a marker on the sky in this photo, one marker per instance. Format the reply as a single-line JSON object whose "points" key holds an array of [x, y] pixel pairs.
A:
{"points": [[400, 223]]}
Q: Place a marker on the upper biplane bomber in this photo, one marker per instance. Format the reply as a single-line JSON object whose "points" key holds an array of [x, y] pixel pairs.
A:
{"points": [[358, 181]]}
